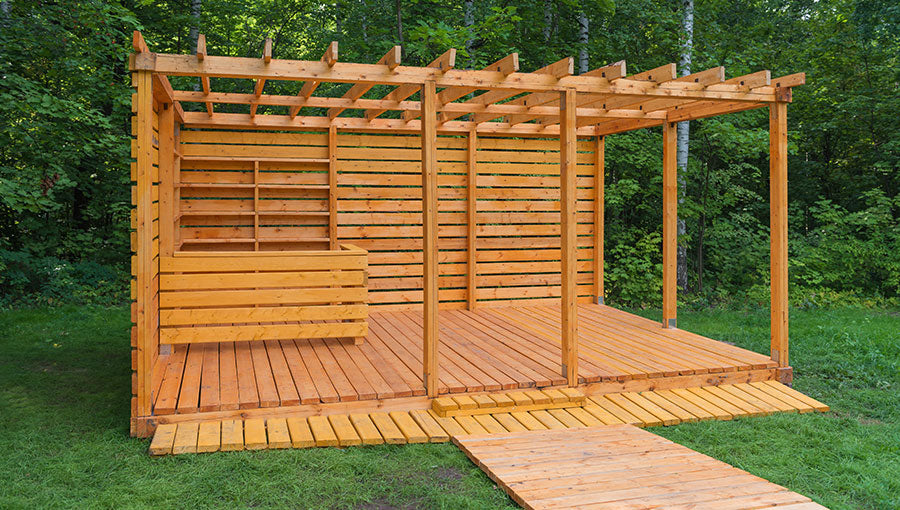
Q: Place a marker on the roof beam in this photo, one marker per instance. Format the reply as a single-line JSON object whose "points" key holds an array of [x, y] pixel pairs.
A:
{"points": [[391, 59], [261, 82], [138, 43], [278, 69], [445, 62], [558, 69], [330, 58], [242, 120]]}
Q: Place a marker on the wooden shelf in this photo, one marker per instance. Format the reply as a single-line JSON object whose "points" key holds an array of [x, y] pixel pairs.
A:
{"points": [[240, 240], [217, 213]]}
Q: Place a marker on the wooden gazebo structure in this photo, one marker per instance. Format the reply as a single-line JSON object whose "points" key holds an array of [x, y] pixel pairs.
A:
{"points": [[288, 264]]}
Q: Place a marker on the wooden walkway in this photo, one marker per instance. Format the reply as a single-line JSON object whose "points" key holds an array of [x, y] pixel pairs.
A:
{"points": [[494, 413], [618, 467], [491, 349]]}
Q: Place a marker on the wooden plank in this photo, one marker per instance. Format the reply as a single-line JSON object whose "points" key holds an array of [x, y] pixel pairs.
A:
{"points": [[185, 438], [232, 435], [429, 239], [255, 434], [471, 219], [192, 335], [344, 430], [301, 435], [209, 437], [430, 426], [332, 187], [778, 226], [408, 427], [322, 431], [670, 224], [781, 391], [278, 434], [567, 155], [163, 439], [366, 429], [387, 428]]}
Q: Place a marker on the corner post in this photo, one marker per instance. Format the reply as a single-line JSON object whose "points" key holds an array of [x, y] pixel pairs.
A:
{"points": [[143, 247], [670, 224], [599, 211], [429, 238], [332, 187], [778, 211], [568, 172], [471, 221]]}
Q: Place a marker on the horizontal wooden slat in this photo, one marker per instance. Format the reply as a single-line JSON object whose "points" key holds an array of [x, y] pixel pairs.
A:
{"points": [[262, 262], [190, 317], [211, 334], [175, 299]]}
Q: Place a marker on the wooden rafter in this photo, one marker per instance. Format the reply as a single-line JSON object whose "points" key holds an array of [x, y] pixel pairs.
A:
{"points": [[610, 72], [564, 67], [330, 58], [204, 80], [505, 66], [261, 82], [445, 62], [391, 59]]}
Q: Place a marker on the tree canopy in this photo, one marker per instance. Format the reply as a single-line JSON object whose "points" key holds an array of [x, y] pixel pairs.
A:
{"points": [[65, 123]]}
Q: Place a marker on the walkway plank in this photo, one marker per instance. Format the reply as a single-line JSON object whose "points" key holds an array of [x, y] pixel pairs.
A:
{"points": [[539, 470]]}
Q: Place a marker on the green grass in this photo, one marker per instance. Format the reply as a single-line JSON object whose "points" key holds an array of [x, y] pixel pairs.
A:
{"points": [[64, 390]]}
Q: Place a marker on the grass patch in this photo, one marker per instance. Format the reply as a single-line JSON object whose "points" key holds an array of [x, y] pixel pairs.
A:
{"points": [[64, 392]]}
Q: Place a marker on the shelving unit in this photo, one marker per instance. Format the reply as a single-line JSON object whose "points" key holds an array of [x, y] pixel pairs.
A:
{"points": [[299, 226]]}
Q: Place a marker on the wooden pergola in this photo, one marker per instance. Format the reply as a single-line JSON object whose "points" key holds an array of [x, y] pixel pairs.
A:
{"points": [[498, 101]]}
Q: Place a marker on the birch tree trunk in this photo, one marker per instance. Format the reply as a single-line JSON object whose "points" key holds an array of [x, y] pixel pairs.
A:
{"points": [[468, 21], [548, 23], [5, 7], [684, 134], [583, 40], [399, 24], [196, 9]]}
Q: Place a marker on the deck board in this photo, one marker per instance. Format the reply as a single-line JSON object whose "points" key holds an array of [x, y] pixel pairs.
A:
{"points": [[489, 349], [616, 466]]}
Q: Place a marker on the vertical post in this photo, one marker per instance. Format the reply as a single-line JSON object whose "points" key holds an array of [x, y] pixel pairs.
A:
{"points": [[256, 205], [332, 187], [429, 238], [778, 211], [567, 174], [143, 197], [670, 224], [599, 210], [471, 221], [167, 158]]}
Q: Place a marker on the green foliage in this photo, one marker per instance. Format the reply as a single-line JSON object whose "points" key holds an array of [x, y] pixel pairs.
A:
{"points": [[64, 125]]}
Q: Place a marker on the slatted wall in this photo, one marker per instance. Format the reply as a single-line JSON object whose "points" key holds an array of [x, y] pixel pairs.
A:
{"points": [[144, 243], [379, 208]]}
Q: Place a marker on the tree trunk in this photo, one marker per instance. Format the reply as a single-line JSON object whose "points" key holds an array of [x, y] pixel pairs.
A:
{"points": [[365, 23], [583, 40], [5, 6], [548, 23], [469, 21], [196, 9], [399, 24], [684, 130]]}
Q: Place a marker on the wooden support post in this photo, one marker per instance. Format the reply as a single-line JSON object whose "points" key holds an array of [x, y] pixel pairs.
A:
{"points": [[568, 174], [778, 215], [429, 234], [332, 187], [471, 220], [143, 195], [599, 210], [167, 161], [670, 225]]}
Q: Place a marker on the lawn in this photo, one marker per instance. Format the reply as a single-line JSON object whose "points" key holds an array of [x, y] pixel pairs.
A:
{"points": [[64, 395]]}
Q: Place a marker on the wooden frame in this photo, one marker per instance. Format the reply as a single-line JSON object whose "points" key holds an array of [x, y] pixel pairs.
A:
{"points": [[455, 202]]}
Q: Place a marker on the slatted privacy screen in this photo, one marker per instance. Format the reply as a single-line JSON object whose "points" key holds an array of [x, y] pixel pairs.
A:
{"points": [[241, 296], [379, 208]]}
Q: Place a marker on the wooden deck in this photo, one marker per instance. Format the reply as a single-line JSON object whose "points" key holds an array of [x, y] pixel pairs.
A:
{"points": [[618, 467], [486, 350]]}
